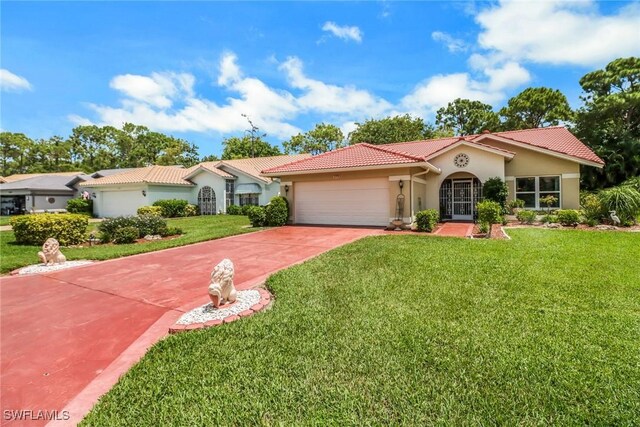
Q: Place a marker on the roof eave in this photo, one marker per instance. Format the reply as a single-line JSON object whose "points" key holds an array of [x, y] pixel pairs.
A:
{"points": [[425, 165]]}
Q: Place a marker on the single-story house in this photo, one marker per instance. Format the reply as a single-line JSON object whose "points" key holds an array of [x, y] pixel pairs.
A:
{"points": [[39, 192], [213, 186], [366, 184]]}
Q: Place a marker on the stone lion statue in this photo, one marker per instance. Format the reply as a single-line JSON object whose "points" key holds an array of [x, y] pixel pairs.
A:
{"points": [[50, 253], [221, 289]]}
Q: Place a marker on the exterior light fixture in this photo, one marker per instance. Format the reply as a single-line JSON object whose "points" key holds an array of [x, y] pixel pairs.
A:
{"points": [[144, 193], [286, 189], [94, 195], [401, 184]]}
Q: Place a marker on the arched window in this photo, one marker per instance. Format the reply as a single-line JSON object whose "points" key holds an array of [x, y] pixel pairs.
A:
{"points": [[207, 201]]}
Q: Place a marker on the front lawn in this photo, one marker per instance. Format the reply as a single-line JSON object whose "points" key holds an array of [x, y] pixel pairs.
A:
{"points": [[419, 330], [195, 229]]}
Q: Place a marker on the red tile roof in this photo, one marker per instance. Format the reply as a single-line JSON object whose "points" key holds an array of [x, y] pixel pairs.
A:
{"points": [[348, 157], [555, 139]]}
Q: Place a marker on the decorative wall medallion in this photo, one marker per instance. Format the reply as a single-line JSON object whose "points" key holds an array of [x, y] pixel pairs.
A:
{"points": [[461, 160]]}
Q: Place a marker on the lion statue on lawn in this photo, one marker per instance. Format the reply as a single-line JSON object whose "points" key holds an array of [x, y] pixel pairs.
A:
{"points": [[221, 289], [50, 253]]}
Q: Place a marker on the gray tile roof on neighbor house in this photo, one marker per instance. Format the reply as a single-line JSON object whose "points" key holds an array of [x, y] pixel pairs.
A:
{"points": [[43, 183]]}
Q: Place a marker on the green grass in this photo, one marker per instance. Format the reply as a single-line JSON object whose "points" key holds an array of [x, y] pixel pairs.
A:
{"points": [[4, 220], [543, 329], [195, 229]]}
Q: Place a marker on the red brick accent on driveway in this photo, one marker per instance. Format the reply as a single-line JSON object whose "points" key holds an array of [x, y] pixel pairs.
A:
{"points": [[67, 336], [455, 229]]}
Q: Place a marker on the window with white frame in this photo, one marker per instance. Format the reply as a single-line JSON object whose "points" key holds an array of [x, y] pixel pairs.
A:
{"points": [[532, 188], [249, 199], [230, 192]]}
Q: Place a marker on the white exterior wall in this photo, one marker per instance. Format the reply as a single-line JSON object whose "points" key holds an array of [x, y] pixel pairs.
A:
{"points": [[164, 192], [217, 183], [482, 164]]}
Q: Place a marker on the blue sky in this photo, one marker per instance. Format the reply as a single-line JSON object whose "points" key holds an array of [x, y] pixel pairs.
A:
{"points": [[192, 69]]}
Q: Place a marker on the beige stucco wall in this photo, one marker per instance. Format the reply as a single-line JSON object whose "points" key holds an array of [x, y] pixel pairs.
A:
{"points": [[532, 163]]}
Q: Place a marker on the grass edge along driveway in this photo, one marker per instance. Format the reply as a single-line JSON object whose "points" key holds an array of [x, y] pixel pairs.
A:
{"points": [[542, 329], [196, 229]]}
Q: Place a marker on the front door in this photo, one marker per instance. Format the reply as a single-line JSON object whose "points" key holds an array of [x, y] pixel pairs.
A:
{"points": [[462, 200]]}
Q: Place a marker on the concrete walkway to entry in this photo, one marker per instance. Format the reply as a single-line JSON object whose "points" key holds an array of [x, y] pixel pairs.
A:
{"points": [[67, 336], [455, 229]]}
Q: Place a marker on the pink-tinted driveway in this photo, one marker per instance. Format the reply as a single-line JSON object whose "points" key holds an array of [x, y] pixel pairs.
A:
{"points": [[68, 335]]}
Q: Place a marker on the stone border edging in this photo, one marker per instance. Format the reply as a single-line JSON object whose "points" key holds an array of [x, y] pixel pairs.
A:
{"points": [[265, 301]]}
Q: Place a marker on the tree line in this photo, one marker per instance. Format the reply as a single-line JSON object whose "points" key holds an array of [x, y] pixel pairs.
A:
{"points": [[608, 121]]}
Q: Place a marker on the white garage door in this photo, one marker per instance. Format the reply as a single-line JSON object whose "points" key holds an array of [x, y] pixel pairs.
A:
{"points": [[117, 203], [343, 202]]}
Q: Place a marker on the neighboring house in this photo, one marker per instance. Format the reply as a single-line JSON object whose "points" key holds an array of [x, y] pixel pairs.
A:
{"points": [[38, 192], [211, 185], [360, 184]]}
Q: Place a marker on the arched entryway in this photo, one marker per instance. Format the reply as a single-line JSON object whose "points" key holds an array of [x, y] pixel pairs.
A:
{"points": [[459, 194], [207, 201]]}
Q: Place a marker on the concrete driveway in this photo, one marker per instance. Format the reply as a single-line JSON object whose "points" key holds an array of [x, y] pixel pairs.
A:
{"points": [[67, 336]]}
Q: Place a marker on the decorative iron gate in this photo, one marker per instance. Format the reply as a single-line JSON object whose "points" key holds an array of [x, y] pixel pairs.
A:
{"points": [[458, 198], [207, 201]]}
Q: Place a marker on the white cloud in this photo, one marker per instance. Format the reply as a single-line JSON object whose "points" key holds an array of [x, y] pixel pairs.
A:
{"points": [[439, 90], [453, 44], [559, 32], [229, 70], [158, 90], [344, 32], [326, 98], [10, 82]]}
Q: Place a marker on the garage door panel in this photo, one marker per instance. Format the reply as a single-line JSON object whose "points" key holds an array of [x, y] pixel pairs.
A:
{"points": [[117, 203], [348, 202]]}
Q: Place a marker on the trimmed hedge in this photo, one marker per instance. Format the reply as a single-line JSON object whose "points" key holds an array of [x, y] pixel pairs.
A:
{"points": [[84, 206], [150, 210], [35, 229], [191, 210], [172, 208], [568, 217], [257, 216], [145, 224], [277, 211], [489, 212], [245, 209], [234, 210], [526, 216], [125, 235], [426, 220]]}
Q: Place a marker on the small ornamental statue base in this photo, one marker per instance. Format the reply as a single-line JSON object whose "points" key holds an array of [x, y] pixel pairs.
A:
{"points": [[43, 268], [246, 304]]}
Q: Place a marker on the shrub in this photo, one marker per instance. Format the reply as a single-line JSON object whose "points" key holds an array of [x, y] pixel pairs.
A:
{"points": [[83, 206], [568, 217], [592, 209], [125, 235], [496, 190], [548, 200], [171, 231], [245, 209], [172, 208], [191, 210], [426, 220], [145, 224], [624, 199], [484, 227], [150, 224], [234, 210], [515, 204], [277, 212], [489, 212], [526, 217], [150, 210], [551, 219], [257, 216], [67, 229], [633, 182]]}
